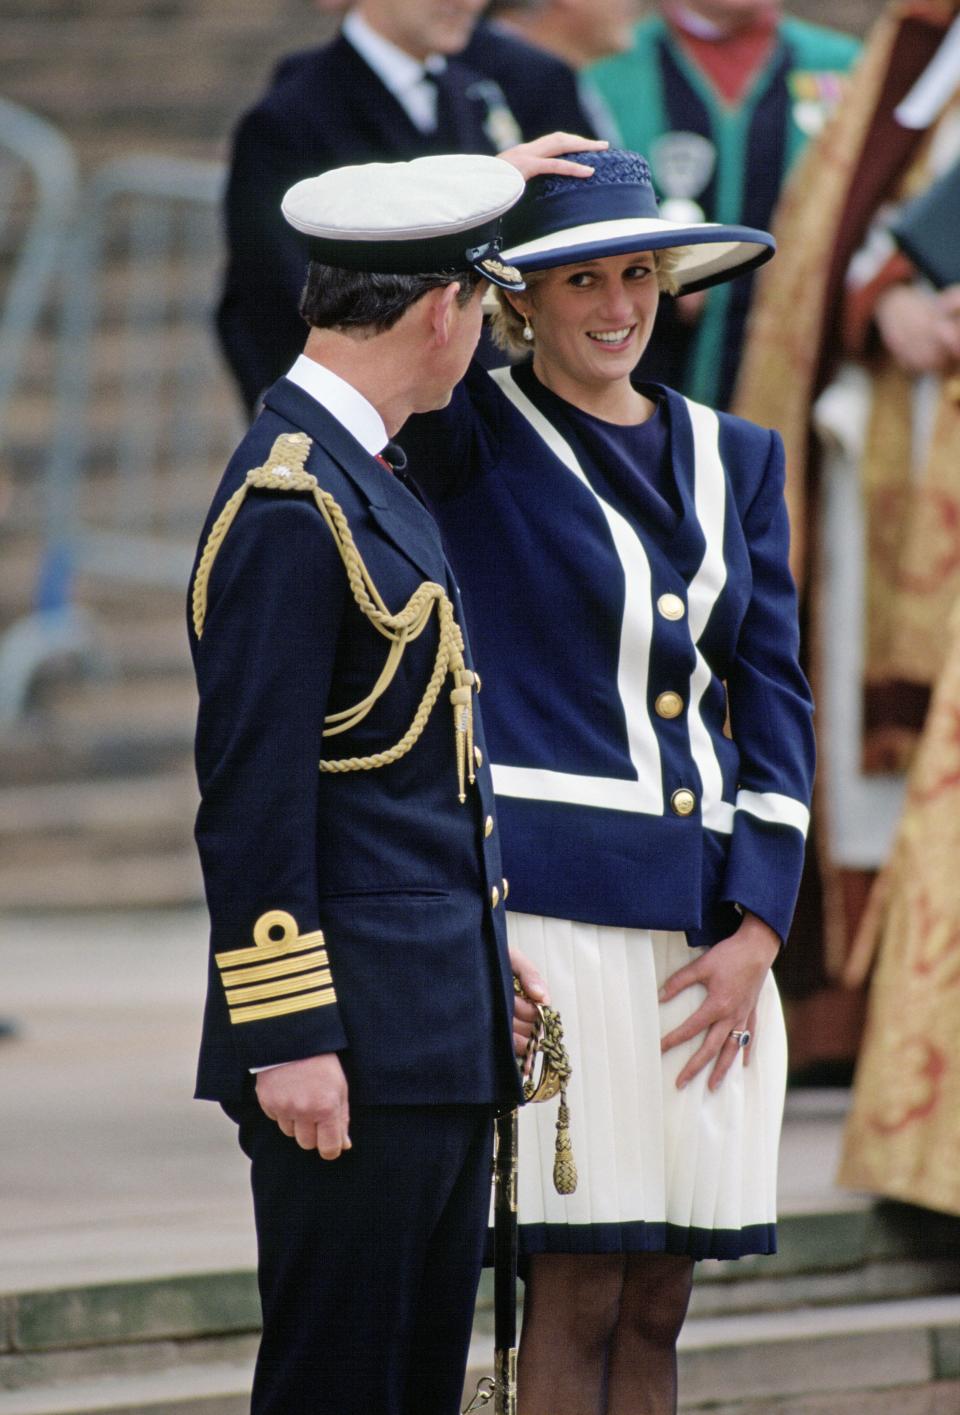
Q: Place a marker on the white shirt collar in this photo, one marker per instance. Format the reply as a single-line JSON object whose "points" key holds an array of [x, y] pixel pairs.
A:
{"points": [[342, 401], [397, 70]]}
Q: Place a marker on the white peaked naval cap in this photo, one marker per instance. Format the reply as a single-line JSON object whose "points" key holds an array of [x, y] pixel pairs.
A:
{"points": [[434, 215]]}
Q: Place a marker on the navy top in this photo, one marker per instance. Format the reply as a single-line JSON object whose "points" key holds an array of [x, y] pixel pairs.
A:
{"points": [[624, 464], [628, 597]]}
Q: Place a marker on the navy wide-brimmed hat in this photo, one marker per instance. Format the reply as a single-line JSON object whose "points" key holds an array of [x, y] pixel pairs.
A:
{"points": [[562, 220], [434, 215]]}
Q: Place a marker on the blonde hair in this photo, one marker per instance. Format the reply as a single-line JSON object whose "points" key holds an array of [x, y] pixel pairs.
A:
{"points": [[507, 324]]}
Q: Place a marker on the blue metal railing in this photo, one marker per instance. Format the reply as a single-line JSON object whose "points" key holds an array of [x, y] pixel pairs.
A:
{"points": [[134, 341], [32, 150]]}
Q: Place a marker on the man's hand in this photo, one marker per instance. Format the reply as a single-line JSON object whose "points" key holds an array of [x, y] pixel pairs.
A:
{"points": [[690, 307], [525, 1016], [308, 1100], [921, 330], [534, 159], [732, 972]]}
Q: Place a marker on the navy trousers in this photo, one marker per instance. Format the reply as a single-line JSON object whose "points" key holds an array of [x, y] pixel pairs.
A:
{"points": [[369, 1264]]}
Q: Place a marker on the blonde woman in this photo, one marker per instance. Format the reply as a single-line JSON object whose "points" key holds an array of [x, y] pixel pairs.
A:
{"points": [[622, 556]]}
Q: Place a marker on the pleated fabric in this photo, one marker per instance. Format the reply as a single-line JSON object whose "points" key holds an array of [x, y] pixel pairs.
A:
{"points": [[691, 1172]]}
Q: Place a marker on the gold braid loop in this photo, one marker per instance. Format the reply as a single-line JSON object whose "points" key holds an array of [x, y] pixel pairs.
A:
{"points": [[285, 470], [555, 1073]]}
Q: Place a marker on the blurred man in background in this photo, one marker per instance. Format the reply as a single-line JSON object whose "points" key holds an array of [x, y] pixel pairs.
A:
{"points": [[388, 87], [580, 32], [721, 96]]}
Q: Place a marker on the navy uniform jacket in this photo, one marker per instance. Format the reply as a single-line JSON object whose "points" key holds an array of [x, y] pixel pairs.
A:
{"points": [[397, 873], [327, 108], [615, 635]]}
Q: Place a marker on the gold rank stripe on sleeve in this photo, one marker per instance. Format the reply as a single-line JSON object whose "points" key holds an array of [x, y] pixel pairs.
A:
{"points": [[263, 953], [316, 958], [283, 1006], [284, 972], [301, 983]]}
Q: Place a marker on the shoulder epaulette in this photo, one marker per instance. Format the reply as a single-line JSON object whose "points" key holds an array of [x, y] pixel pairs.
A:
{"points": [[285, 471]]}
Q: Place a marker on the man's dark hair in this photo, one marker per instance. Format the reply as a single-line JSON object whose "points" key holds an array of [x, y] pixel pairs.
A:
{"points": [[358, 299]]}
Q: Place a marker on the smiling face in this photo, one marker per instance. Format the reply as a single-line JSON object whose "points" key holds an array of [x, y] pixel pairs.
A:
{"points": [[592, 321]]}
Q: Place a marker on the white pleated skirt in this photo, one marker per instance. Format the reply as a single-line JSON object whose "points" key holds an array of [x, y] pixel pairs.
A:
{"points": [[691, 1172]]}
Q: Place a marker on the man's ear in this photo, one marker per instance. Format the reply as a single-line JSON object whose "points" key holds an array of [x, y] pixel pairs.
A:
{"points": [[442, 303]]}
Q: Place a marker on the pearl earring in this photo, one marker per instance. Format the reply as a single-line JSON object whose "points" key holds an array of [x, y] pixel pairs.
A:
{"points": [[527, 330]]}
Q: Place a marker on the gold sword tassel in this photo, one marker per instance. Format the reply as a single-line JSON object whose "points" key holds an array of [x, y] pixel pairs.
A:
{"points": [[461, 696]]}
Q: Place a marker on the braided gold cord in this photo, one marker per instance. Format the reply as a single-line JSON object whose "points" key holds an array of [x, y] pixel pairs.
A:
{"points": [[565, 1175], [285, 470], [547, 1039], [215, 539]]}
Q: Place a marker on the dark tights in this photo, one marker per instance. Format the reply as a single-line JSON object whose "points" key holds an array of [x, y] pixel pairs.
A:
{"points": [[600, 1333]]}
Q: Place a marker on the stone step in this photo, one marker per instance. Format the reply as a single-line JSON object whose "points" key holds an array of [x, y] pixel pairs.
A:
{"points": [[863, 1346], [118, 347], [224, 1390], [105, 596], [771, 1361], [883, 1254], [45, 1306], [149, 879], [114, 710], [33, 753], [927, 1398], [861, 1251], [714, 1295], [779, 1360], [185, 1385], [149, 645], [132, 807], [18, 583], [179, 488]]}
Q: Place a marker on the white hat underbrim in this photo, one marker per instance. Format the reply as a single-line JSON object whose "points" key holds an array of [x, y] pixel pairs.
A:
{"points": [[705, 251]]}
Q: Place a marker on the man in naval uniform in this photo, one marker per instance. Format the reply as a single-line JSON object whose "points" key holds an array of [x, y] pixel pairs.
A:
{"points": [[392, 84], [360, 1021]]}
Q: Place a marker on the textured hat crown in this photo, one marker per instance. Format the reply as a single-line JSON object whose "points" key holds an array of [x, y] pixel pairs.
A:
{"points": [[614, 168], [614, 212]]}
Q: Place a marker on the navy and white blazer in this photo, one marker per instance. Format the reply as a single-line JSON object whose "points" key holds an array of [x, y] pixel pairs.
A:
{"points": [[584, 614], [411, 982]]}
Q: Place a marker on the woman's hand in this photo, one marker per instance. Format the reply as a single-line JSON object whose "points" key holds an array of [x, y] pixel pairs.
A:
{"points": [[733, 972], [534, 159], [525, 1015]]}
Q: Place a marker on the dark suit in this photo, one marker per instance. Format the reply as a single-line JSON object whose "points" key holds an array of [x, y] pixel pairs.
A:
{"points": [[327, 108], [542, 90], [412, 982]]}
